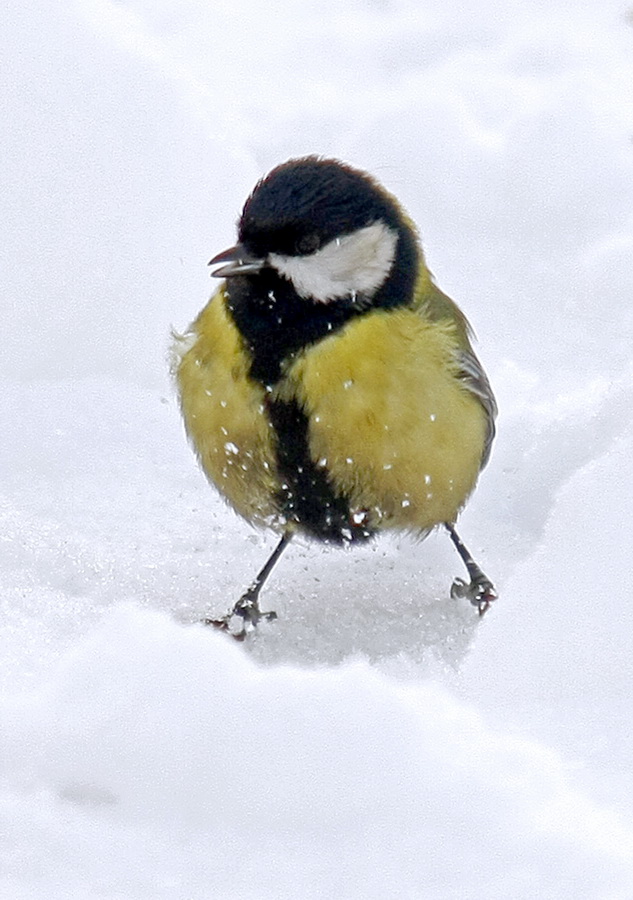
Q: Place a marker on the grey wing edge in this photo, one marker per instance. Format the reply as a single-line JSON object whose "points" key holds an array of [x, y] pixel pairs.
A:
{"points": [[472, 374]]}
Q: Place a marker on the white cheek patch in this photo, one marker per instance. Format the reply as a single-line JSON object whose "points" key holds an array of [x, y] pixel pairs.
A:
{"points": [[356, 263]]}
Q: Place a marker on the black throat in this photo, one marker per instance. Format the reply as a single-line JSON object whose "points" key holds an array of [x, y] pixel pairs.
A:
{"points": [[275, 322]]}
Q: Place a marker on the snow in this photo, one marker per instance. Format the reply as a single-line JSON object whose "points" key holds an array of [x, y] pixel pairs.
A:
{"points": [[379, 739]]}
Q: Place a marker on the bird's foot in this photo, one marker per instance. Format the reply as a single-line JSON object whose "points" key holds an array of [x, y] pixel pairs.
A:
{"points": [[242, 619], [480, 591]]}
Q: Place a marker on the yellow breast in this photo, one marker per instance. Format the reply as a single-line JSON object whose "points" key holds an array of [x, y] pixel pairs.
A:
{"points": [[224, 413], [389, 420]]}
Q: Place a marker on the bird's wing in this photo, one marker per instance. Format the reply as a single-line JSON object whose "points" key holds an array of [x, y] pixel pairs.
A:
{"points": [[471, 373], [435, 305]]}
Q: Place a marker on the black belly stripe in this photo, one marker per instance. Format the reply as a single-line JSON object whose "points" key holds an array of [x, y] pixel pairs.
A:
{"points": [[276, 324], [306, 496]]}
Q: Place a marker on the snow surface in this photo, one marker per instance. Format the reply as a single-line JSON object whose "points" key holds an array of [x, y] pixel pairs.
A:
{"points": [[378, 740]]}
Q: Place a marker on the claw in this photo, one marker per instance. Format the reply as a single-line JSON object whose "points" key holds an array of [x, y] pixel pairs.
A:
{"points": [[246, 612], [224, 624], [246, 615], [480, 592]]}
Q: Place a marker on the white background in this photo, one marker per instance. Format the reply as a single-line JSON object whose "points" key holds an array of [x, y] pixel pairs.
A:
{"points": [[378, 740]]}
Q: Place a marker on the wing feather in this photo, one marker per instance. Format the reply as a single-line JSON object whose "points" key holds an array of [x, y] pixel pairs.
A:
{"points": [[435, 305], [474, 378]]}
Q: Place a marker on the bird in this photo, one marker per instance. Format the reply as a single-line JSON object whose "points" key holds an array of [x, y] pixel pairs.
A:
{"points": [[329, 388]]}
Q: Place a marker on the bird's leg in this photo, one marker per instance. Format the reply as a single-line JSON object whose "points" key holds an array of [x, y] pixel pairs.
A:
{"points": [[481, 591], [246, 611]]}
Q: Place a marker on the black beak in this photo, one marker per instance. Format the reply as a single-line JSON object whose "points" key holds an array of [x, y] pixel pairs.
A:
{"points": [[240, 262]]}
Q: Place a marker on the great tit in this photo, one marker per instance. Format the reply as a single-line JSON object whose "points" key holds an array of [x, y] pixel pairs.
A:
{"points": [[329, 388]]}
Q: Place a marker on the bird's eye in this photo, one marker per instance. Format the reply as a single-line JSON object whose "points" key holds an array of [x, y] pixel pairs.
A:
{"points": [[309, 243]]}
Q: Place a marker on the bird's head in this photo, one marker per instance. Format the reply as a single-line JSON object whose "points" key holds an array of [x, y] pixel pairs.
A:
{"points": [[330, 230]]}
